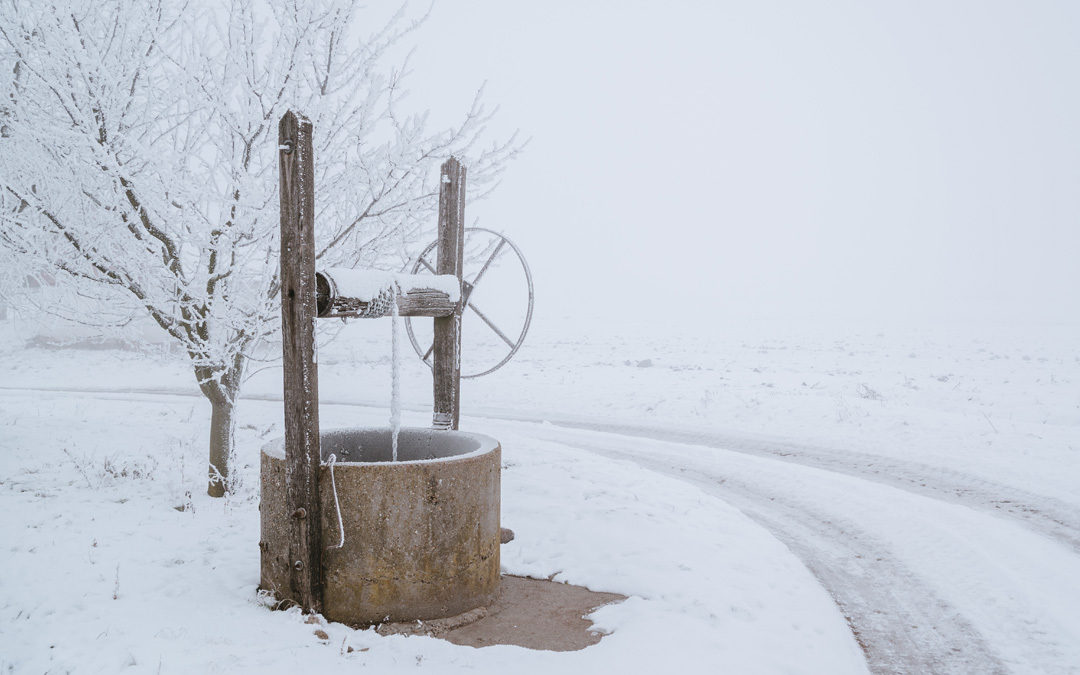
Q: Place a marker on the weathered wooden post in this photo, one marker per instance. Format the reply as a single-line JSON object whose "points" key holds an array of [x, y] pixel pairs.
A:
{"points": [[301, 390], [447, 345]]}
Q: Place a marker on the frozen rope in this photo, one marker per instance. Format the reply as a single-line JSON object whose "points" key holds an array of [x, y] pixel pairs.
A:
{"points": [[333, 484], [382, 304], [395, 374]]}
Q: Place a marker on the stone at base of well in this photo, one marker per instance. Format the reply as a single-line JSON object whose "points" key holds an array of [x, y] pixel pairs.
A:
{"points": [[421, 537]]}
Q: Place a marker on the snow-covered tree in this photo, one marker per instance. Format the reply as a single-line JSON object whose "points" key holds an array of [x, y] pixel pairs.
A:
{"points": [[139, 157]]}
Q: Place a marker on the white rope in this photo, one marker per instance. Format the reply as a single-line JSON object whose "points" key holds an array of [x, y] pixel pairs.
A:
{"points": [[333, 483]]}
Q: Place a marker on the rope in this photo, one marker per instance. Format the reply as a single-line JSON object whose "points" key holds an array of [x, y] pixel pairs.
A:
{"points": [[381, 305], [333, 483]]}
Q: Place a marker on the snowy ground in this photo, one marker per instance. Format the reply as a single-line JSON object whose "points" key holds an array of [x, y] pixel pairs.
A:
{"points": [[772, 497]]}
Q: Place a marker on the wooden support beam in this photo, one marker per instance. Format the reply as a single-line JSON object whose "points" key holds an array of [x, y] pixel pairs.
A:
{"points": [[447, 346], [297, 166]]}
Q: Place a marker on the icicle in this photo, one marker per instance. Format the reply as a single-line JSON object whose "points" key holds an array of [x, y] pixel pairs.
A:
{"points": [[395, 368]]}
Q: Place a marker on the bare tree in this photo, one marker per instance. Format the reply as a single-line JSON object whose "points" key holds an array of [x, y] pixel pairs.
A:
{"points": [[139, 156]]}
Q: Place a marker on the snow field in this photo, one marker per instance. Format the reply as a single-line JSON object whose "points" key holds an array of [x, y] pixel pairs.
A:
{"points": [[105, 574], [997, 401], [806, 429]]}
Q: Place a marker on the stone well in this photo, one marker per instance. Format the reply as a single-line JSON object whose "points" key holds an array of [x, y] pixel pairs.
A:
{"points": [[421, 533]]}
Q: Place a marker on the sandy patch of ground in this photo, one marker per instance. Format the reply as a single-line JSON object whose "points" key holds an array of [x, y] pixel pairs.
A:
{"points": [[532, 613]]}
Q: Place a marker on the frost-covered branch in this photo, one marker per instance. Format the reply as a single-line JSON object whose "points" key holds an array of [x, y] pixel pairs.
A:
{"points": [[138, 157]]}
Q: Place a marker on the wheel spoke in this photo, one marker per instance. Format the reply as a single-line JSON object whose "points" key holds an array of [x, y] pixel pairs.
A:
{"points": [[426, 264], [427, 354], [492, 326], [491, 259]]}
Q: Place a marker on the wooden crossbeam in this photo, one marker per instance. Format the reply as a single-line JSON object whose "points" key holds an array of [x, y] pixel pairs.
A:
{"points": [[414, 303], [331, 302]]}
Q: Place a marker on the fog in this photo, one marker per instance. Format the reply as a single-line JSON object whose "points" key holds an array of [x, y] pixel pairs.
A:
{"points": [[850, 160]]}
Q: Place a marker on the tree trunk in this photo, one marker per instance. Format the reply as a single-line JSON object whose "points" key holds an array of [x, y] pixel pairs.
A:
{"points": [[221, 386], [222, 426]]}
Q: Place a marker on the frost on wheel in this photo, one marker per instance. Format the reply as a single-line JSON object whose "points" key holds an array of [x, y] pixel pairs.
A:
{"points": [[496, 299]]}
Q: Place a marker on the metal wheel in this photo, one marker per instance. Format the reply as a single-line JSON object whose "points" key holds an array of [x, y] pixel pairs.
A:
{"points": [[498, 245]]}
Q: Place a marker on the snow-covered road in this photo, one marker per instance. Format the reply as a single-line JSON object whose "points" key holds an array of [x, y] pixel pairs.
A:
{"points": [[1042, 513], [934, 570]]}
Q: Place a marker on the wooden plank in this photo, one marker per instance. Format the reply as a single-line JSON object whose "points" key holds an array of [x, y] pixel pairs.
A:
{"points": [[447, 347], [297, 166]]}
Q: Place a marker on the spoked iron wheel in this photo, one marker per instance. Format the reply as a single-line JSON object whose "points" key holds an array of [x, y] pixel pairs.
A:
{"points": [[487, 248]]}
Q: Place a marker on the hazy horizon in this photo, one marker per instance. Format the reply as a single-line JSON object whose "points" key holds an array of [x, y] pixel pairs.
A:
{"points": [[776, 160]]}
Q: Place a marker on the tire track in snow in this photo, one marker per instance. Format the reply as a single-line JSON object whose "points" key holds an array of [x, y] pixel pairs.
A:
{"points": [[1046, 515], [902, 625]]}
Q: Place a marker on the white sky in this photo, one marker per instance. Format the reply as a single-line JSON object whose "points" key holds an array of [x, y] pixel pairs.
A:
{"points": [[836, 159]]}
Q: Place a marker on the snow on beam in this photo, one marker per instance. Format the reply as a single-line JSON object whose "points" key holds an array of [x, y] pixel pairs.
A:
{"points": [[344, 293]]}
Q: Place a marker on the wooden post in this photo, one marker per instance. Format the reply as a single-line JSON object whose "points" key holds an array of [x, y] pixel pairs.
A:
{"points": [[297, 165], [447, 347]]}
